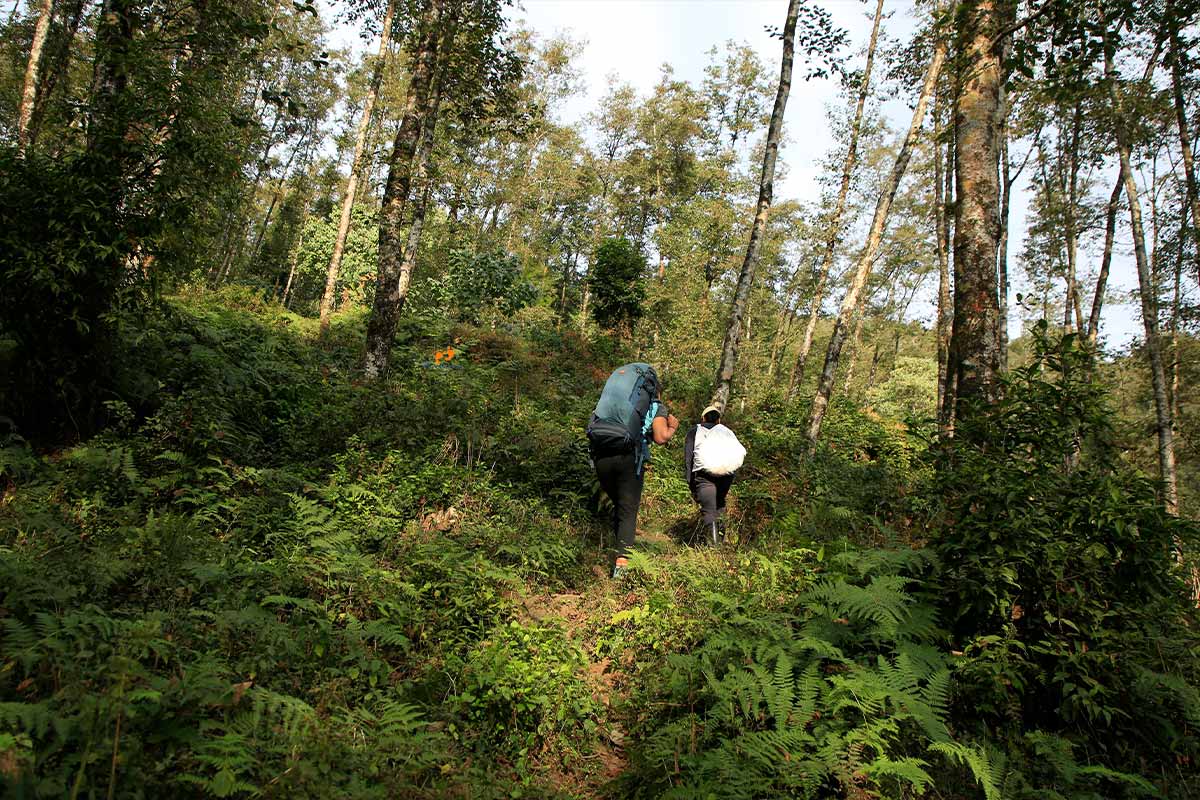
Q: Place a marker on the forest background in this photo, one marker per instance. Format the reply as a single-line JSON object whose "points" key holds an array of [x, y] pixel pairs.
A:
{"points": [[305, 308]]}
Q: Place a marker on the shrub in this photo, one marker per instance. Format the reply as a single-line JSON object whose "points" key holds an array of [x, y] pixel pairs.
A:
{"points": [[521, 692], [1060, 585], [809, 679]]}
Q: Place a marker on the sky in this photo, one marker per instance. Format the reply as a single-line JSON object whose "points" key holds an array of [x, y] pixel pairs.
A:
{"points": [[632, 39]]}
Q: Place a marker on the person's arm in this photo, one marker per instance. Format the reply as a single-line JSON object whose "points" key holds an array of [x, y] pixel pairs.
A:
{"points": [[663, 428], [689, 448]]}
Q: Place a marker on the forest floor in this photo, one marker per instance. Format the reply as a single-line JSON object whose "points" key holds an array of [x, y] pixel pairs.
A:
{"points": [[586, 614]]}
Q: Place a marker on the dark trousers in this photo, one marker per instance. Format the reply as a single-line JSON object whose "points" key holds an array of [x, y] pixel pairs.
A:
{"points": [[620, 481], [709, 491]]}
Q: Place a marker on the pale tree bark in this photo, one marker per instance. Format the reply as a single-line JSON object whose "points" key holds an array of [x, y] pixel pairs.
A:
{"points": [[943, 201], [287, 289], [422, 177], [839, 209], [389, 294], [974, 358], [852, 351], [41, 30], [766, 183], [1158, 378], [1185, 139], [57, 62], [364, 126], [851, 301], [1110, 230]]}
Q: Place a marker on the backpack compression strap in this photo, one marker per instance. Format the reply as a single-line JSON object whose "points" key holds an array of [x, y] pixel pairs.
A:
{"points": [[643, 451]]}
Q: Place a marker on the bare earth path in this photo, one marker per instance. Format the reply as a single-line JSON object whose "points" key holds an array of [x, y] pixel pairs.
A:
{"points": [[585, 615]]}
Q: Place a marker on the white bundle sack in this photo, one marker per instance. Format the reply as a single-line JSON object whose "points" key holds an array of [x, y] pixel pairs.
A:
{"points": [[717, 451]]}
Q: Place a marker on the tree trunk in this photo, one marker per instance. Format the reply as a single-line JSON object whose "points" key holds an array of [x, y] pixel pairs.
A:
{"points": [[1185, 143], [852, 353], [389, 295], [107, 124], [287, 289], [422, 177], [729, 350], [974, 356], [1162, 406], [835, 224], [1072, 296], [1175, 311], [943, 201], [850, 302], [58, 61], [276, 197], [874, 365], [1002, 248], [364, 125], [29, 90], [1110, 230]]}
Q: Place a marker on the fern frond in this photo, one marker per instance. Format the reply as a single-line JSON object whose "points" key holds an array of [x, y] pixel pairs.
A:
{"points": [[979, 761], [908, 770]]}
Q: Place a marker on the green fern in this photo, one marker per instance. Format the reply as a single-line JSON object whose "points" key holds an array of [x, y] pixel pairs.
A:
{"points": [[983, 766]]}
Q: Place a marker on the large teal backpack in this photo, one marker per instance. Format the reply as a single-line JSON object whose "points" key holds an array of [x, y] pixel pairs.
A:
{"points": [[625, 413]]}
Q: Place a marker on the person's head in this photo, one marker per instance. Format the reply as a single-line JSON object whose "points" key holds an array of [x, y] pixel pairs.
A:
{"points": [[711, 415]]}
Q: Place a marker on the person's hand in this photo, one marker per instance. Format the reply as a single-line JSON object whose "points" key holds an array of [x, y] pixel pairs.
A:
{"points": [[663, 428]]}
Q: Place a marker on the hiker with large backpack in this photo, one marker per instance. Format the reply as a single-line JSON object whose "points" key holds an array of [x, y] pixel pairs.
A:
{"points": [[712, 455], [628, 417]]}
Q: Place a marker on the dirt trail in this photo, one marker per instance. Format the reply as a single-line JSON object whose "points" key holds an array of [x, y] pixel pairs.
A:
{"points": [[584, 615]]}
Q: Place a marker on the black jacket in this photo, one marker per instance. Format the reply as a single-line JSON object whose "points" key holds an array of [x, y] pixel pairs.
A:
{"points": [[689, 448]]}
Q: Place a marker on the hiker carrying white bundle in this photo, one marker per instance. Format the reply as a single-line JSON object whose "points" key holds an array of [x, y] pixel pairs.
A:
{"points": [[712, 455]]}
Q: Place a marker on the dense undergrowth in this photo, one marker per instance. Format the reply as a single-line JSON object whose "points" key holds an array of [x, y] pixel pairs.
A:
{"points": [[264, 578]]}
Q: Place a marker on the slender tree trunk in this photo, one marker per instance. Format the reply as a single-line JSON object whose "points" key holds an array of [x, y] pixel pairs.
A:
{"points": [[1072, 296], [874, 365], [852, 352], [850, 302], [1002, 257], [364, 126], [1162, 406], [974, 357], [287, 289], [943, 200], [1175, 310], [29, 91], [389, 294], [107, 124], [58, 61], [1110, 230], [1185, 139], [276, 197], [839, 209], [729, 350], [422, 177]]}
